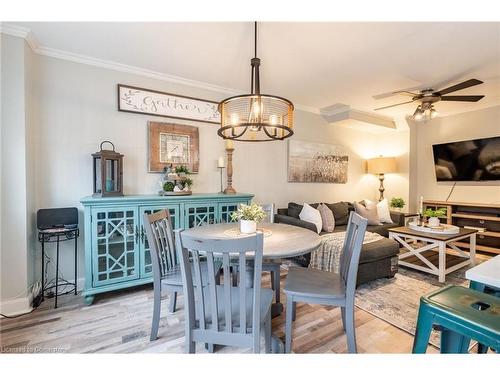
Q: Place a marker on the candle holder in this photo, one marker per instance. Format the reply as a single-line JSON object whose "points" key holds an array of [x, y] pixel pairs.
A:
{"points": [[229, 189], [221, 169]]}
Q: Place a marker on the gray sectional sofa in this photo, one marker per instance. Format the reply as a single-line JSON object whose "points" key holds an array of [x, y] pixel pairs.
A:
{"points": [[378, 259]]}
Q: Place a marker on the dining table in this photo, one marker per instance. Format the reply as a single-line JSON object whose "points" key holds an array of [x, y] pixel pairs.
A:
{"points": [[281, 241]]}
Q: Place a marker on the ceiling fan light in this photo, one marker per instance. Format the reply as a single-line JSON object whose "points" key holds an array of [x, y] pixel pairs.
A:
{"points": [[433, 113], [418, 114]]}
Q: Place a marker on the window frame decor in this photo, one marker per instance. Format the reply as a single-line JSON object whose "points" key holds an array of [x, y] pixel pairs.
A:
{"points": [[174, 106], [155, 129]]}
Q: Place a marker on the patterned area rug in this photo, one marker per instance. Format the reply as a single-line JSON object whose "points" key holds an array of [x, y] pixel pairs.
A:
{"points": [[396, 300]]}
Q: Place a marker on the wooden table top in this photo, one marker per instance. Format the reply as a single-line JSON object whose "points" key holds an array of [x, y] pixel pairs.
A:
{"points": [[433, 236], [285, 241]]}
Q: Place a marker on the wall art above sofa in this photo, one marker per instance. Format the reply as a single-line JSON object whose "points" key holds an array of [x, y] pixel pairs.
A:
{"points": [[316, 162]]}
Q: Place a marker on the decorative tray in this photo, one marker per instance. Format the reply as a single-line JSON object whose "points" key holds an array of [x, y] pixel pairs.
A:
{"points": [[161, 192], [235, 232], [441, 229]]}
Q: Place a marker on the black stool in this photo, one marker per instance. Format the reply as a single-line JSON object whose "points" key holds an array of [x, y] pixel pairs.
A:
{"points": [[57, 225]]}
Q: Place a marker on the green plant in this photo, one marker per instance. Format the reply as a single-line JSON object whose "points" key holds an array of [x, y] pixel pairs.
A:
{"points": [[435, 213], [168, 186], [397, 202], [188, 182], [182, 169], [252, 212]]}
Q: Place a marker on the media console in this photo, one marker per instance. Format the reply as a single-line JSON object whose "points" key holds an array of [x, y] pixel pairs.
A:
{"points": [[481, 216]]}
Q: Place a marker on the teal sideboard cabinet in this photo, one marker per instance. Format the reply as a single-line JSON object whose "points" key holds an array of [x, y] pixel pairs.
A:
{"points": [[116, 248]]}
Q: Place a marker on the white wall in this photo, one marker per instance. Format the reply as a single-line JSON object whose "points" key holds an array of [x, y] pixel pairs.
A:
{"points": [[478, 124], [75, 107], [16, 206]]}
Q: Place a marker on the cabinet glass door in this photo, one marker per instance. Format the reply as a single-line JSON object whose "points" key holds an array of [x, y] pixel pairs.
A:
{"points": [[196, 215], [225, 211], [115, 254], [145, 254]]}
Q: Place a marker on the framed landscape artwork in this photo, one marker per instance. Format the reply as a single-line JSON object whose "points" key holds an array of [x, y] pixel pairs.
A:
{"points": [[316, 162], [150, 102], [173, 144]]}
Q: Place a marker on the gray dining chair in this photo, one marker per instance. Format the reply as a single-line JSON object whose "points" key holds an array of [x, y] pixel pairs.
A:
{"points": [[272, 266], [224, 314], [164, 261], [328, 288]]}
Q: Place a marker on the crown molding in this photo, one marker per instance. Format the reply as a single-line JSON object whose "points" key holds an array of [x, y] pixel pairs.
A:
{"points": [[26, 34]]}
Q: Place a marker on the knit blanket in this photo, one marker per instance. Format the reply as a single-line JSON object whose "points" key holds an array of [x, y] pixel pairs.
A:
{"points": [[327, 256]]}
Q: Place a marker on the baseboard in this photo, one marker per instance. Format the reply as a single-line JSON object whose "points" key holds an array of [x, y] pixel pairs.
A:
{"points": [[16, 306]]}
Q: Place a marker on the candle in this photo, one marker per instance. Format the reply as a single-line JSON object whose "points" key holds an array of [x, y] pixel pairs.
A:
{"points": [[229, 143], [421, 206], [220, 162]]}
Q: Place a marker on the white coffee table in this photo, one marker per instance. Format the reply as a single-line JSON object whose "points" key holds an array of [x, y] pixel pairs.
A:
{"points": [[439, 243]]}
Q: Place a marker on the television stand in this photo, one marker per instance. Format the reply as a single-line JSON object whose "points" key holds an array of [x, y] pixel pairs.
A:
{"points": [[483, 217]]}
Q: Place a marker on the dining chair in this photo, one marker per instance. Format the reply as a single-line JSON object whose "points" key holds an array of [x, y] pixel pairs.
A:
{"points": [[328, 288], [224, 314], [166, 269], [272, 266]]}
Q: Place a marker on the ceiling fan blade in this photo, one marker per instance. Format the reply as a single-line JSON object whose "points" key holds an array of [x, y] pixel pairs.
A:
{"points": [[408, 93], [462, 98], [460, 86], [393, 105]]}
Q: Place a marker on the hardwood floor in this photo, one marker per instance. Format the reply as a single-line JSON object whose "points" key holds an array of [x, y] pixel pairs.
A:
{"points": [[120, 322]]}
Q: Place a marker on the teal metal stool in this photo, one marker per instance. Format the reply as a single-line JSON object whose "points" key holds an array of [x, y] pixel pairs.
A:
{"points": [[462, 313]]}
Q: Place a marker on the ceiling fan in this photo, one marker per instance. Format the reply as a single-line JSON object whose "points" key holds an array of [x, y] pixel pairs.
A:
{"points": [[429, 96]]}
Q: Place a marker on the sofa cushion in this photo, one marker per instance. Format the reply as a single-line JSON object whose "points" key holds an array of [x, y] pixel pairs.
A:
{"points": [[311, 215], [369, 212], [383, 229], [327, 218], [294, 209], [381, 249], [340, 212]]}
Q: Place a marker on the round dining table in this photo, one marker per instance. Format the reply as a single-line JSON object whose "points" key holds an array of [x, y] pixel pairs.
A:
{"points": [[280, 241]]}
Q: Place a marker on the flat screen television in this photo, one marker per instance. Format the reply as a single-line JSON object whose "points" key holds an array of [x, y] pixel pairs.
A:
{"points": [[473, 160]]}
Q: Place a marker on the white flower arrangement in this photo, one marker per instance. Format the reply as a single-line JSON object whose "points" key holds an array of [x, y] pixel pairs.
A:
{"points": [[252, 212]]}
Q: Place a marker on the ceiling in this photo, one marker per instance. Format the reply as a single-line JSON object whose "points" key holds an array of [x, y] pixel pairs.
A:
{"points": [[313, 64]]}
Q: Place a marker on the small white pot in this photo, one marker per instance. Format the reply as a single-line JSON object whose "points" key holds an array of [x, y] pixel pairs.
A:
{"points": [[433, 221], [248, 226]]}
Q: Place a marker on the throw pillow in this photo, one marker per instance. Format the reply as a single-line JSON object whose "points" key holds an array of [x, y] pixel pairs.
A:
{"points": [[327, 218], [340, 212], [384, 215], [294, 209], [311, 215], [369, 212]]}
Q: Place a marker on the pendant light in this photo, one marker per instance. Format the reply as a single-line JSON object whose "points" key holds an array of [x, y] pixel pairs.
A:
{"points": [[256, 117]]}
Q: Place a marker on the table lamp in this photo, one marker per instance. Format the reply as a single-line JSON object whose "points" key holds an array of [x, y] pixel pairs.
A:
{"points": [[380, 166]]}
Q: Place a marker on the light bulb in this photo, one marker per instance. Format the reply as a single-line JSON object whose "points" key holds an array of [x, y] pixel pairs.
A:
{"points": [[235, 119], [434, 113], [418, 114], [273, 120]]}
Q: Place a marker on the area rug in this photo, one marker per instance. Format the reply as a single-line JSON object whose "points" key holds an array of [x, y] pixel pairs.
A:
{"points": [[396, 300]]}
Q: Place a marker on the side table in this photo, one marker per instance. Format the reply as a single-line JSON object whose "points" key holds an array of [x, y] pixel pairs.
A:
{"points": [[58, 235]]}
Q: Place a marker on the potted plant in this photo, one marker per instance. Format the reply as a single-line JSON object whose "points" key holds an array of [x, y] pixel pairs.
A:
{"points": [[397, 203], [434, 215], [248, 216], [182, 170]]}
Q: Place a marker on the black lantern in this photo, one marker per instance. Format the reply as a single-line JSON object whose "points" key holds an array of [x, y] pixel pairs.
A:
{"points": [[108, 172]]}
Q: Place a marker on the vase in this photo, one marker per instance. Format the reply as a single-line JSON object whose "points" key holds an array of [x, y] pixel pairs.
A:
{"points": [[433, 221], [248, 226]]}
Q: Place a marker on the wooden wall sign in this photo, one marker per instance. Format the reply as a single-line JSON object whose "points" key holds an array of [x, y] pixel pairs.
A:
{"points": [[150, 102], [173, 144]]}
